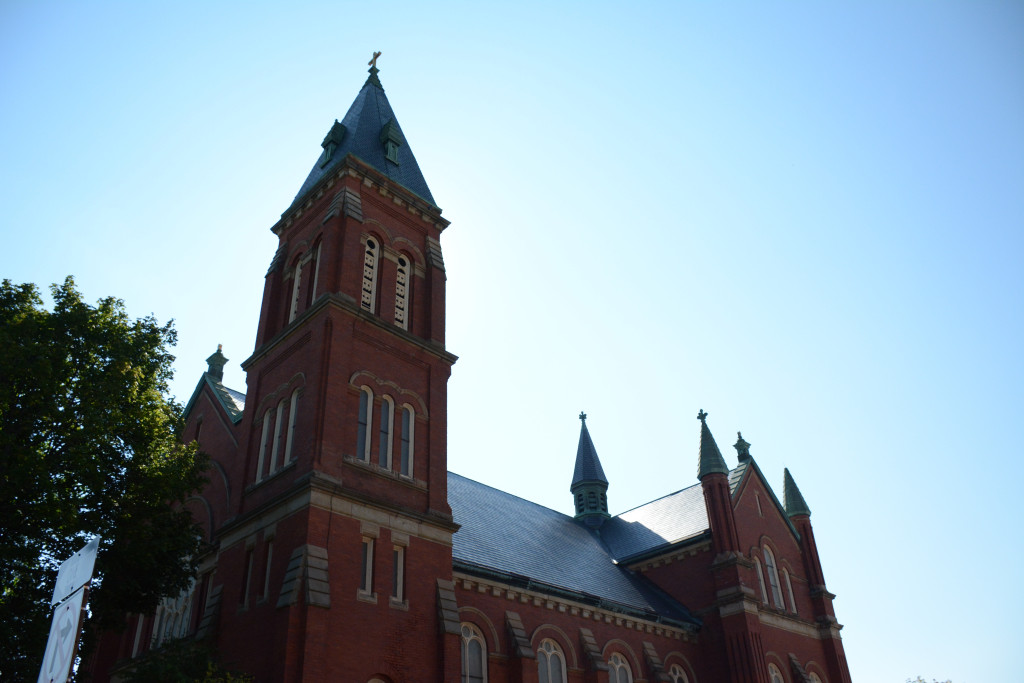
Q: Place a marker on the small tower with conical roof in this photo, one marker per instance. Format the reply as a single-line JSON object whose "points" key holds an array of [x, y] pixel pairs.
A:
{"points": [[714, 479], [589, 486]]}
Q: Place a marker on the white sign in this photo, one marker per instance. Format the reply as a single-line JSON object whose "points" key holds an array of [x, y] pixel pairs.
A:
{"points": [[75, 572], [63, 641]]}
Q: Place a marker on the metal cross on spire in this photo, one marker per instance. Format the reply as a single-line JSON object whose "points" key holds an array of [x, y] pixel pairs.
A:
{"points": [[373, 62], [702, 415], [583, 417]]}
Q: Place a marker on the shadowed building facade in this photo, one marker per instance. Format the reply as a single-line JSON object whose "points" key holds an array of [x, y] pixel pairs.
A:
{"points": [[342, 548]]}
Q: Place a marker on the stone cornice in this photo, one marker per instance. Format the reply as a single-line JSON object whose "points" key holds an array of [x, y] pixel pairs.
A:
{"points": [[348, 305], [520, 595], [353, 166]]}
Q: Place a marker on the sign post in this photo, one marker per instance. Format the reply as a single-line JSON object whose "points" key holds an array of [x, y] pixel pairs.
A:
{"points": [[69, 596]]}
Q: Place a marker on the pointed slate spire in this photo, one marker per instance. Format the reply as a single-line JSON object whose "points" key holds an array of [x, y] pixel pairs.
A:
{"points": [[371, 132], [588, 466], [709, 459], [793, 501], [215, 364], [589, 485]]}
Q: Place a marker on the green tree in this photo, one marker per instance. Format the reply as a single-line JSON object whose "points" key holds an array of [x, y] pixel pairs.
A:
{"points": [[89, 445]]}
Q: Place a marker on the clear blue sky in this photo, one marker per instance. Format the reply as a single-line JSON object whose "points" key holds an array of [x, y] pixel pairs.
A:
{"points": [[804, 218]]}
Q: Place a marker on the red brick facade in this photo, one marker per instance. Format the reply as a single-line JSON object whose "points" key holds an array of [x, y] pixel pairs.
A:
{"points": [[292, 503]]}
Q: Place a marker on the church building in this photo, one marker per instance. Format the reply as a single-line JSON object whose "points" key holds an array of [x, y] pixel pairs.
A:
{"points": [[342, 549]]}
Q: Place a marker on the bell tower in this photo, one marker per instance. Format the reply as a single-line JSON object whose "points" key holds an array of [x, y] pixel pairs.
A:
{"points": [[341, 528]]}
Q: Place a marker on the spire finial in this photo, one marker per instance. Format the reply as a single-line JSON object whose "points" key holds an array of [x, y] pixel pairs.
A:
{"points": [[742, 447], [583, 417], [373, 80], [702, 415]]}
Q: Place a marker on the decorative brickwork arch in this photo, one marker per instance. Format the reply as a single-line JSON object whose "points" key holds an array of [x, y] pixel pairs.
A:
{"points": [[486, 626], [622, 647], [552, 632], [678, 660]]}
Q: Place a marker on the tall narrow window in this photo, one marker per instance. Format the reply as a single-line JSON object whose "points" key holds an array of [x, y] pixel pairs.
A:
{"points": [[550, 663], [620, 671], [266, 569], [402, 297], [370, 257], [366, 566], [292, 412], [296, 290], [263, 445], [387, 422], [789, 590], [408, 422], [474, 651], [760, 580], [315, 267], [365, 414], [247, 584], [398, 573], [773, 577], [278, 425]]}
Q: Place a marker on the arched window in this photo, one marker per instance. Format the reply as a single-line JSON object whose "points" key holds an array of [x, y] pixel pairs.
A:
{"points": [[387, 423], [263, 445], [370, 257], [677, 675], [315, 267], [774, 675], [620, 671], [550, 663], [773, 577], [474, 655], [789, 590], [293, 309], [292, 412], [815, 679], [402, 293], [278, 426], [365, 416], [408, 427], [760, 580]]}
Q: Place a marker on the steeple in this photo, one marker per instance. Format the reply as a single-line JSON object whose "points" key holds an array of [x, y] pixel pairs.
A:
{"points": [[709, 458], [589, 485], [370, 132], [792, 499]]}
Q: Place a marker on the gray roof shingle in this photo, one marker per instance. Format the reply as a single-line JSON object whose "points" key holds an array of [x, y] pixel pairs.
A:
{"points": [[668, 520], [363, 124], [506, 534]]}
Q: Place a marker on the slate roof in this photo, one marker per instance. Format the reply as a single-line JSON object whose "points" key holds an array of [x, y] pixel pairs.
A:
{"points": [[363, 125], [793, 500], [668, 520], [511, 536]]}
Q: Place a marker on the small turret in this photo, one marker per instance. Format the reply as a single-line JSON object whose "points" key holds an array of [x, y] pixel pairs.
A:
{"points": [[714, 479], [215, 364], [709, 458], [589, 486], [792, 499]]}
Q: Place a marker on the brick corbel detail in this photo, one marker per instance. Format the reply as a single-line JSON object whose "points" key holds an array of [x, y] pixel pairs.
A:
{"points": [[597, 671], [655, 664], [307, 576]]}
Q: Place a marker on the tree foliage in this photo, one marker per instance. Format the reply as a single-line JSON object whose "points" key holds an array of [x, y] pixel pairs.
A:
{"points": [[89, 445], [182, 661]]}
